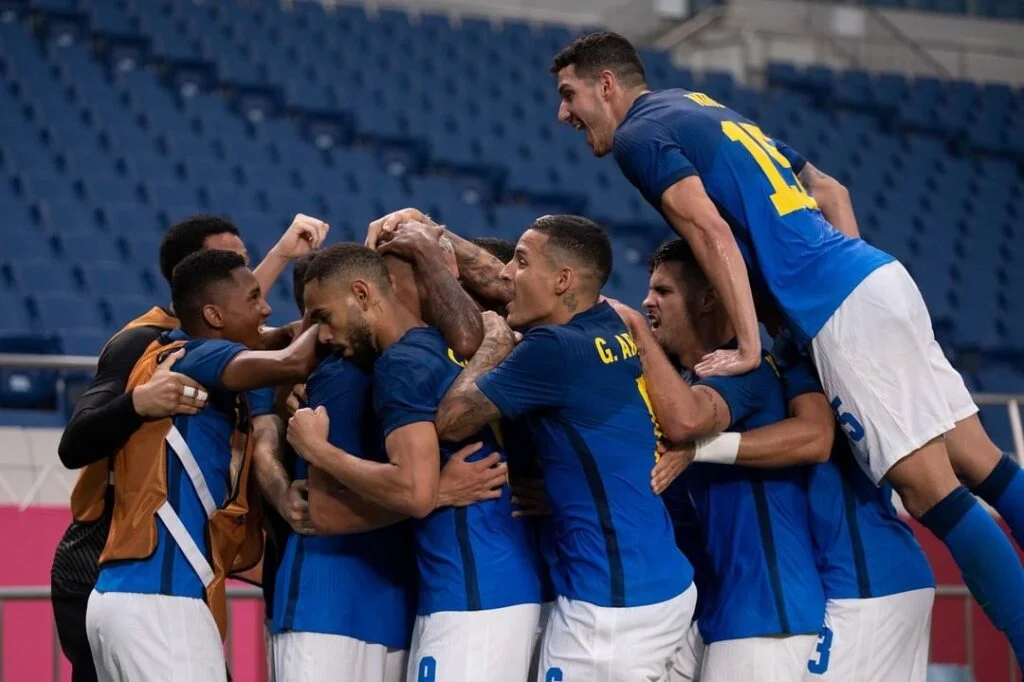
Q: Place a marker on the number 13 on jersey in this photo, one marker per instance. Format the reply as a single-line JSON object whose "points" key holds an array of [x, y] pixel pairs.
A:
{"points": [[786, 197]]}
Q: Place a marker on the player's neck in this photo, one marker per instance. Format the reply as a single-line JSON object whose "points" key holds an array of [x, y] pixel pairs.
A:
{"points": [[569, 307], [713, 332], [622, 105], [394, 325]]}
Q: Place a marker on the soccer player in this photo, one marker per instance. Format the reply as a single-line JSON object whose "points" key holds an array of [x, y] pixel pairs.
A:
{"points": [[762, 604], [733, 193], [479, 578], [146, 617], [106, 415], [625, 594], [876, 578]]}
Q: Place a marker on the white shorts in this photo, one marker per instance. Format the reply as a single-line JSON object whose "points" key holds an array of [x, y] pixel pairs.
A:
{"points": [[874, 640], [467, 646], [153, 637], [538, 638], [885, 374], [318, 657], [687, 662], [765, 659], [604, 644]]}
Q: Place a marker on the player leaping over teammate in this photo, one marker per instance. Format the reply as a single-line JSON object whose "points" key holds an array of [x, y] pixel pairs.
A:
{"points": [[732, 193]]}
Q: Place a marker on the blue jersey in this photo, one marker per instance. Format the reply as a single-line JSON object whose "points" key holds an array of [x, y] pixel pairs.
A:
{"points": [[469, 558], [756, 531], [361, 585], [208, 435], [580, 389], [808, 266], [864, 549]]}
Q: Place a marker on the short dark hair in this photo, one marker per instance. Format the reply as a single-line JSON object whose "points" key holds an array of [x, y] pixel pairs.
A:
{"points": [[678, 251], [192, 279], [502, 249], [594, 52], [299, 279], [185, 238], [349, 260], [583, 239]]}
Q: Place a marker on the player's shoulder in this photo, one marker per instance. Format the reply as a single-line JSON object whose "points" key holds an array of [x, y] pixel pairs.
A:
{"points": [[334, 373], [419, 351]]}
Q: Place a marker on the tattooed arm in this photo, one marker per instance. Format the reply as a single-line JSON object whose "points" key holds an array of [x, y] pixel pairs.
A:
{"points": [[479, 271], [445, 303], [682, 412], [832, 197], [464, 410]]}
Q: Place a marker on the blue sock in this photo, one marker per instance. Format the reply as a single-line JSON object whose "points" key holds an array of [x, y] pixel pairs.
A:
{"points": [[1004, 490], [987, 561]]}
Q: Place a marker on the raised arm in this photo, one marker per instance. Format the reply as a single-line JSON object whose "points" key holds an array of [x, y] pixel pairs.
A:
{"points": [[832, 197], [479, 271], [252, 369], [446, 304], [303, 235], [694, 217], [336, 510]]}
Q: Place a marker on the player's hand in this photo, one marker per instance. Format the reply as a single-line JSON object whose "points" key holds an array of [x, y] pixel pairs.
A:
{"points": [[290, 400], [630, 316], [463, 483], [410, 239], [295, 508], [726, 363], [307, 431], [390, 223], [304, 235], [168, 393], [671, 462], [529, 498], [497, 331]]}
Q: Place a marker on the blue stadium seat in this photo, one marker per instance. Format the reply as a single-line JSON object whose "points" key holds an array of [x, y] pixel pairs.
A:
{"points": [[45, 276], [71, 311], [124, 308]]}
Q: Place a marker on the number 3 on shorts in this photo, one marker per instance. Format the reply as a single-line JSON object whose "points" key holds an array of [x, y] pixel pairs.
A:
{"points": [[553, 675], [819, 666], [427, 669], [850, 424]]}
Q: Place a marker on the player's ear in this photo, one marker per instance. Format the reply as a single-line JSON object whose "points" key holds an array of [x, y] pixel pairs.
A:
{"points": [[708, 299], [213, 316], [606, 81], [564, 280], [361, 292]]}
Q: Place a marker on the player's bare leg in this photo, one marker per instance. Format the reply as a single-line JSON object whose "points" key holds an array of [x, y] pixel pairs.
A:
{"points": [[990, 474], [931, 492]]}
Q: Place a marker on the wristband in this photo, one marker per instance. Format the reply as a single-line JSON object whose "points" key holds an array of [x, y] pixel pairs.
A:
{"points": [[720, 449]]}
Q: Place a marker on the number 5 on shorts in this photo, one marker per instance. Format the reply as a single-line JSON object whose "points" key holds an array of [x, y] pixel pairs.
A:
{"points": [[823, 651]]}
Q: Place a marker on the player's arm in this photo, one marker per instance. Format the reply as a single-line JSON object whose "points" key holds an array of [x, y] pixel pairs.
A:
{"points": [[465, 409], [447, 305], [832, 197], [285, 495], [694, 217], [407, 483], [303, 235], [252, 369], [337, 510], [106, 415], [683, 413]]}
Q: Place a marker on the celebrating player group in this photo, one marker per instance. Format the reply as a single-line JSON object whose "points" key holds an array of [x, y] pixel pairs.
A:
{"points": [[465, 464]]}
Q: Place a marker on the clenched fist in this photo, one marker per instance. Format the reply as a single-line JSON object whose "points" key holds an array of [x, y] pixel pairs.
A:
{"points": [[168, 393], [307, 429]]}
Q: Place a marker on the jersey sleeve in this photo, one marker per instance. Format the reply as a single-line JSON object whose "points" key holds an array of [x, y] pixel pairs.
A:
{"points": [[206, 360], [261, 401], [403, 389], [796, 162], [650, 157], [532, 377], [743, 394]]}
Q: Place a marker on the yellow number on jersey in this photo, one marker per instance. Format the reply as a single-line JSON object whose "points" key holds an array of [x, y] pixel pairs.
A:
{"points": [[703, 100], [641, 386], [786, 198]]}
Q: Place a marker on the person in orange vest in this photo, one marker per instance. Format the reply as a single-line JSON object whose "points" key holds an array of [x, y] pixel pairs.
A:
{"points": [[181, 516], [107, 414]]}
